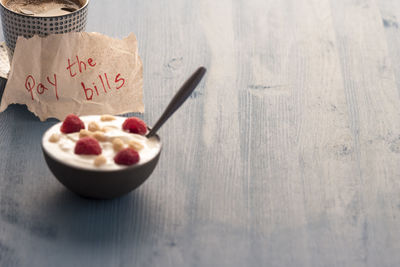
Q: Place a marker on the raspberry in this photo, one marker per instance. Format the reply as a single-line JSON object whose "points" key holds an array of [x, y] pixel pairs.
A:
{"points": [[87, 146], [72, 124], [135, 125], [127, 156]]}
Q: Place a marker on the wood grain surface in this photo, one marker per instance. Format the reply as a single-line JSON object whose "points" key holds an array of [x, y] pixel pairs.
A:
{"points": [[287, 154]]}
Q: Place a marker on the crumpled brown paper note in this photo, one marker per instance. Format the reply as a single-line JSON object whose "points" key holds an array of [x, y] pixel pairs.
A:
{"points": [[81, 73]]}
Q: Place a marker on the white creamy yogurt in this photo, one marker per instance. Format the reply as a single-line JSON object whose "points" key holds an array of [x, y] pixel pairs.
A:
{"points": [[63, 150]]}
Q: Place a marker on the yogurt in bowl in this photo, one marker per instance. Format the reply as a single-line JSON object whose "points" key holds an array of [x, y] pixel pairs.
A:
{"points": [[108, 132], [100, 156]]}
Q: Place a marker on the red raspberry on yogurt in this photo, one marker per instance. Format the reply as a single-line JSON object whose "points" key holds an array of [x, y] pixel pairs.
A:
{"points": [[135, 125], [87, 146], [72, 124], [127, 156]]}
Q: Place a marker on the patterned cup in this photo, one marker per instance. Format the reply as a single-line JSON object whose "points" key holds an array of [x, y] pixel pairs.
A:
{"points": [[16, 24]]}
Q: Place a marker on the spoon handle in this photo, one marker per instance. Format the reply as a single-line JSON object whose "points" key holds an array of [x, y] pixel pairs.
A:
{"points": [[179, 98]]}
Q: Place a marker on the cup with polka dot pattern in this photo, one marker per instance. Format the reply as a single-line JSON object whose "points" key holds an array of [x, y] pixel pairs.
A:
{"points": [[17, 24]]}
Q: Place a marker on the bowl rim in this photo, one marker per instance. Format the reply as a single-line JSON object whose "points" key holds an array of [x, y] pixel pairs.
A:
{"points": [[42, 17], [125, 168]]}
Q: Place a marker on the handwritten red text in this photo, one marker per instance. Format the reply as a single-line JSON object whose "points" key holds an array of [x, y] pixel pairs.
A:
{"points": [[41, 87]]}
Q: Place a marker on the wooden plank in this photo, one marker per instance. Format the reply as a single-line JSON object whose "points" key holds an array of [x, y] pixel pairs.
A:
{"points": [[301, 166], [390, 13], [373, 102]]}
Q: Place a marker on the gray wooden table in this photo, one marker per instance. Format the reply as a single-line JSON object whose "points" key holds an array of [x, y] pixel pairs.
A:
{"points": [[288, 154]]}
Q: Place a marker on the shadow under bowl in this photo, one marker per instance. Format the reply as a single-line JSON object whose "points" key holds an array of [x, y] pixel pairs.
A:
{"points": [[101, 184]]}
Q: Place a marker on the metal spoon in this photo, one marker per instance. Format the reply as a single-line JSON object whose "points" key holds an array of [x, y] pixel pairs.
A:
{"points": [[179, 98]]}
